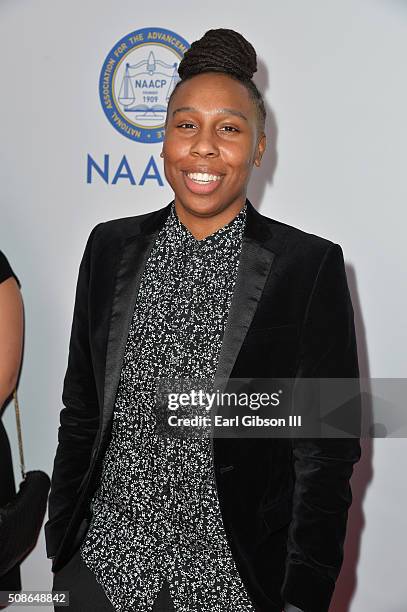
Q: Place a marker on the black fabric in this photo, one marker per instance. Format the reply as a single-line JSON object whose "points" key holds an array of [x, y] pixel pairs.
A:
{"points": [[12, 580], [163, 603], [6, 270], [291, 316], [86, 594], [22, 518]]}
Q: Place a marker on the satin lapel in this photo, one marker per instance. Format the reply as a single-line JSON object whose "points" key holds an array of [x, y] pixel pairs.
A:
{"points": [[134, 257], [255, 264]]}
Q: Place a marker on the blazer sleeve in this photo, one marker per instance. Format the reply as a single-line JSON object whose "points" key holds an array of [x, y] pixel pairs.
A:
{"points": [[79, 418], [323, 467]]}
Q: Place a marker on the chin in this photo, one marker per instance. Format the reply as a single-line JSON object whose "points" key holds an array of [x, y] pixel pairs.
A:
{"points": [[200, 205]]}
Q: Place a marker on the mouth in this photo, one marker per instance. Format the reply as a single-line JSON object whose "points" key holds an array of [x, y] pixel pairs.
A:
{"points": [[202, 182]]}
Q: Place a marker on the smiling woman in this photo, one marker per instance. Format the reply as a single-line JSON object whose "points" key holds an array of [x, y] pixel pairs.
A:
{"points": [[205, 289], [214, 131]]}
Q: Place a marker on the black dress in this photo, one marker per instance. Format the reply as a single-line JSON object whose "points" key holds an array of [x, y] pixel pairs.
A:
{"points": [[12, 580]]}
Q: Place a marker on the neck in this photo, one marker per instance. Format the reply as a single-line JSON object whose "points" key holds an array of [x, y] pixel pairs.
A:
{"points": [[201, 225]]}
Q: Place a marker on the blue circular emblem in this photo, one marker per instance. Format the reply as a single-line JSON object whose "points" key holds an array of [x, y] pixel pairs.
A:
{"points": [[137, 79]]}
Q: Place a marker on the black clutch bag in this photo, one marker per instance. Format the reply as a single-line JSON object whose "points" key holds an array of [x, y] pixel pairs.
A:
{"points": [[21, 519]]}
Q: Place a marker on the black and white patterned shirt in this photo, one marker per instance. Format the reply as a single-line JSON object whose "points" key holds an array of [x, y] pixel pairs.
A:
{"points": [[156, 514]]}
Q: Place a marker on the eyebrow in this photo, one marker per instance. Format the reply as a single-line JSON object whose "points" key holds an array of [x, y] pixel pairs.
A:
{"points": [[228, 111]]}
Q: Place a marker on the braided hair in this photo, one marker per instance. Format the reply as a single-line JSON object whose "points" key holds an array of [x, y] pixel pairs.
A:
{"points": [[226, 51]]}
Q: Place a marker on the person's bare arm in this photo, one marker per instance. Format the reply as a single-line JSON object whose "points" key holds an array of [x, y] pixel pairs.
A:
{"points": [[11, 336]]}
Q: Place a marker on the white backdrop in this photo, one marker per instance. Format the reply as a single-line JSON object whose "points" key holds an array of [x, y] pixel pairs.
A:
{"points": [[333, 74]]}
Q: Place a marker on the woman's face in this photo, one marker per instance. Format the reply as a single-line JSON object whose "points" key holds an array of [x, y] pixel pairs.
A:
{"points": [[211, 143]]}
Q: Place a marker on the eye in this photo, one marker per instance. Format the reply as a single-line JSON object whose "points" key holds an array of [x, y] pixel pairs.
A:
{"points": [[186, 125], [229, 128]]}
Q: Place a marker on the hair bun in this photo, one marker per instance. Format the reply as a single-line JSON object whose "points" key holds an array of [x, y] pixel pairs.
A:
{"points": [[220, 50]]}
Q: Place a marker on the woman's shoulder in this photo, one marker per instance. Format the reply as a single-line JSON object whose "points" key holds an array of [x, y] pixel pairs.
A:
{"points": [[123, 228]]}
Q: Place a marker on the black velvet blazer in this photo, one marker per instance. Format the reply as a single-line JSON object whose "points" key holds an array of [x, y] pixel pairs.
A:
{"points": [[284, 501]]}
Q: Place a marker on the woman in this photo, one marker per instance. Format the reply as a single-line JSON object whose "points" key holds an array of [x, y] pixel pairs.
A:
{"points": [[205, 287], [11, 343]]}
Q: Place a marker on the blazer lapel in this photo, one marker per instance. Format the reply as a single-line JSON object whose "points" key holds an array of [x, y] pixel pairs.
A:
{"points": [[134, 255], [255, 264]]}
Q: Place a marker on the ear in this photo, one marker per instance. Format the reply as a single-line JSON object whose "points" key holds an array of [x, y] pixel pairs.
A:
{"points": [[260, 148]]}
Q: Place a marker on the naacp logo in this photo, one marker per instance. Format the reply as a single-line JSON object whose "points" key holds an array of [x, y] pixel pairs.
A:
{"points": [[137, 79]]}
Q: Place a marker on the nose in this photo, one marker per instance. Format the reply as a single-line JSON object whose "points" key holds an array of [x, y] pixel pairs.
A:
{"points": [[204, 144]]}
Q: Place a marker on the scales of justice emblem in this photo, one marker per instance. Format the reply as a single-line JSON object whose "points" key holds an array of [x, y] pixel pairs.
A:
{"points": [[136, 81], [145, 88]]}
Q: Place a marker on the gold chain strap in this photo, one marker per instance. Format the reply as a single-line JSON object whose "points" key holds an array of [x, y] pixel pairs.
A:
{"points": [[19, 436]]}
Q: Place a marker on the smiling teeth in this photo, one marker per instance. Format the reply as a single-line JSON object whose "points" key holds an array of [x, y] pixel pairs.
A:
{"points": [[200, 177]]}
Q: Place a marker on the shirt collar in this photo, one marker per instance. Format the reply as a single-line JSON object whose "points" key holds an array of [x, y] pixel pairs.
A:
{"points": [[229, 234]]}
